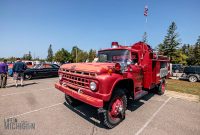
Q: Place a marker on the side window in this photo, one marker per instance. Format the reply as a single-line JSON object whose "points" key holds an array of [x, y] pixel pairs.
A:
{"points": [[192, 69], [48, 66], [134, 57], [163, 65], [29, 63], [198, 70]]}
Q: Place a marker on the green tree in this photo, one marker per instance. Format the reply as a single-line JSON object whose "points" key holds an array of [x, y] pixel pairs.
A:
{"points": [[197, 52], [27, 56], [78, 55], [191, 56], [50, 54], [170, 43], [74, 53], [91, 55], [62, 56], [180, 57], [185, 49], [11, 59], [82, 56]]}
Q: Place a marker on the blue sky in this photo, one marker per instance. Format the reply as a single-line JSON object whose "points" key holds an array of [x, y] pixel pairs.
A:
{"points": [[31, 25]]}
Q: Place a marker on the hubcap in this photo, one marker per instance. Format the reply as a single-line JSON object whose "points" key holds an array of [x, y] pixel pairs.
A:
{"points": [[193, 79], [116, 108]]}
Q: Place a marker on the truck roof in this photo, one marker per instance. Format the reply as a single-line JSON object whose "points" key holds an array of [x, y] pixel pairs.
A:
{"points": [[120, 48]]}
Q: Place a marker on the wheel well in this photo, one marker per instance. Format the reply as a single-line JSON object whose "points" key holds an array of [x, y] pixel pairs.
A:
{"points": [[196, 75], [127, 85]]}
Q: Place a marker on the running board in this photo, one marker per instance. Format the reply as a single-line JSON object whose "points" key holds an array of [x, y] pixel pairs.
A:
{"points": [[140, 94]]}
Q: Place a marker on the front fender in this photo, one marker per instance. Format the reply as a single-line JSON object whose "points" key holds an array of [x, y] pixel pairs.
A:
{"points": [[108, 82]]}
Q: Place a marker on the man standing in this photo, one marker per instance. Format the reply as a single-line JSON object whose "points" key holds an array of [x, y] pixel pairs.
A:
{"points": [[18, 71], [3, 74]]}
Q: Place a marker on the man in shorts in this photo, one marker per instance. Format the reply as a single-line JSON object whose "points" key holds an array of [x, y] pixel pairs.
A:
{"points": [[18, 71], [3, 73]]}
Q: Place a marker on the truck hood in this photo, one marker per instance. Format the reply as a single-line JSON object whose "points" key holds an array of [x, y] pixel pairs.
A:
{"points": [[89, 67]]}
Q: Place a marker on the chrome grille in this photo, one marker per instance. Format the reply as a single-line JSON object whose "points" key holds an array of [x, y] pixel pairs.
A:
{"points": [[77, 81], [78, 72]]}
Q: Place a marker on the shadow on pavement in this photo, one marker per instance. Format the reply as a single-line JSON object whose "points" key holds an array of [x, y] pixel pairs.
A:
{"points": [[42, 78], [27, 84], [87, 112], [135, 104], [90, 114]]}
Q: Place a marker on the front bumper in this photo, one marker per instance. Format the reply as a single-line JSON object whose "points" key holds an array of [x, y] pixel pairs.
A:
{"points": [[79, 96]]}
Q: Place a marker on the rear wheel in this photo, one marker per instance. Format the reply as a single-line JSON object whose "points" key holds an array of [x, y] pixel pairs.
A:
{"points": [[114, 111], [193, 78], [161, 87], [72, 101]]}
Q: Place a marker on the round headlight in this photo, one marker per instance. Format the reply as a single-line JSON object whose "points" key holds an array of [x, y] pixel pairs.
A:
{"points": [[93, 86], [60, 77]]}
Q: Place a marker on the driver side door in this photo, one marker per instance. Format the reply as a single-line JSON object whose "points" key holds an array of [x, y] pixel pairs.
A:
{"points": [[136, 72]]}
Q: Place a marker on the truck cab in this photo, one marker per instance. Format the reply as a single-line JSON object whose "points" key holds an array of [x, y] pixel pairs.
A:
{"points": [[120, 73]]}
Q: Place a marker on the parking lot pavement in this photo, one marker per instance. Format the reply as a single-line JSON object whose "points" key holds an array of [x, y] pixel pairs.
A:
{"points": [[39, 104]]}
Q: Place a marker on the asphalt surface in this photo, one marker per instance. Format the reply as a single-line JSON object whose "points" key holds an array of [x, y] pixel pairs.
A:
{"points": [[40, 104]]}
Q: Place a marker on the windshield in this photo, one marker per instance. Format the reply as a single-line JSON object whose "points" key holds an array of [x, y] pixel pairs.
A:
{"points": [[114, 56]]}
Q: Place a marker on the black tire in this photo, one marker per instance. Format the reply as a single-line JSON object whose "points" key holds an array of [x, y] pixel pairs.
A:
{"points": [[72, 101], [160, 89], [106, 117], [193, 78], [28, 77]]}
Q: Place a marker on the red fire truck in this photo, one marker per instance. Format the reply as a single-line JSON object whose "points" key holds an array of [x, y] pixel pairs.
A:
{"points": [[121, 72]]}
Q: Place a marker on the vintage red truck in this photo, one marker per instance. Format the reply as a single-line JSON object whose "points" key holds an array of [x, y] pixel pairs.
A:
{"points": [[121, 72]]}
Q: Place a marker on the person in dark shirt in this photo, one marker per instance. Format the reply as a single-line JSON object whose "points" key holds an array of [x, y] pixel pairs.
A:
{"points": [[18, 71], [3, 74]]}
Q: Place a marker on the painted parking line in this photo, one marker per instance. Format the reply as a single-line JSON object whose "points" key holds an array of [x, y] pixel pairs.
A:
{"points": [[152, 117], [18, 115], [17, 93]]}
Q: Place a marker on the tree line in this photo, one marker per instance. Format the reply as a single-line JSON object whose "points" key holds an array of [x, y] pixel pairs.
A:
{"points": [[62, 56], [76, 55], [186, 54]]}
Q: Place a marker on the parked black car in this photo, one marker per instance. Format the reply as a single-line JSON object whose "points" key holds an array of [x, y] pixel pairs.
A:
{"points": [[177, 68], [192, 73], [41, 70]]}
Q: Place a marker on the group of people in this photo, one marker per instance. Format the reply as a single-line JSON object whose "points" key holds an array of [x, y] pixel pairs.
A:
{"points": [[18, 72]]}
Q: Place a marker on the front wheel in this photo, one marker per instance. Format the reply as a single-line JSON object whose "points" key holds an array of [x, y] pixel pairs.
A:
{"points": [[114, 111]]}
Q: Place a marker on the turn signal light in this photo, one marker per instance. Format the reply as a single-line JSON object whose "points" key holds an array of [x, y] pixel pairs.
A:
{"points": [[110, 71]]}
